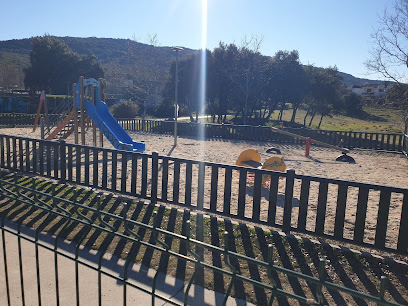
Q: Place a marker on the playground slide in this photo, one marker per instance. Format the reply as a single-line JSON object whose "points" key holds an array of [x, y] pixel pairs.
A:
{"points": [[117, 136]]}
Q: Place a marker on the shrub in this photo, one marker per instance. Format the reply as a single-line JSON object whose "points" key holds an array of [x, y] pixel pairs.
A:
{"points": [[125, 109]]}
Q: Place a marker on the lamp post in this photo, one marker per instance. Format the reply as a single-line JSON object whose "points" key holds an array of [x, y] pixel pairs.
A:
{"points": [[177, 50]]}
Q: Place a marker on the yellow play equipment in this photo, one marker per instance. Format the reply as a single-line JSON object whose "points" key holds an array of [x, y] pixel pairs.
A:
{"points": [[252, 159]]}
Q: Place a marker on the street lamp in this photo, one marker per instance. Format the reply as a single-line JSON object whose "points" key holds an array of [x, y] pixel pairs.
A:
{"points": [[177, 50]]}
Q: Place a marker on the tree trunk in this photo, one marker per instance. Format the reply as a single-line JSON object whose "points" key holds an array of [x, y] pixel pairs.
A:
{"points": [[189, 109], [280, 115], [245, 110], [320, 122], [293, 114], [304, 119], [271, 109], [311, 119]]}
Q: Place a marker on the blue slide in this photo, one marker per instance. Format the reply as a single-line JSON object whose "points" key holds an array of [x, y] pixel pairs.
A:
{"points": [[112, 130]]}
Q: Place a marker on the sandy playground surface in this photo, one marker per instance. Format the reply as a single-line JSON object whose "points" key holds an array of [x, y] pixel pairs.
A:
{"points": [[371, 167]]}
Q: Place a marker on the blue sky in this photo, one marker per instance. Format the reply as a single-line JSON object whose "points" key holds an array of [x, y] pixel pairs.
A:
{"points": [[325, 32]]}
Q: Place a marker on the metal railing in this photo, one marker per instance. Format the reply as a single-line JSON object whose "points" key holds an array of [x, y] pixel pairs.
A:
{"points": [[26, 192]]}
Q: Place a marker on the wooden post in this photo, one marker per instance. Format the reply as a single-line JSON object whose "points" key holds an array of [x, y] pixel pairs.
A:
{"points": [[287, 209], [63, 161], [46, 114], [42, 128], [37, 117], [100, 89], [81, 100], [155, 174], [75, 109], [307, 151], [93, 124]]}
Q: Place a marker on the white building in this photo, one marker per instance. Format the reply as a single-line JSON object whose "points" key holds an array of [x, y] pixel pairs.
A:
{"points": [[373, 90]]}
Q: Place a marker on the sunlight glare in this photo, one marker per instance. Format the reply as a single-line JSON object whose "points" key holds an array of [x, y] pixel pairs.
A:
{"points": [[203, 72]]}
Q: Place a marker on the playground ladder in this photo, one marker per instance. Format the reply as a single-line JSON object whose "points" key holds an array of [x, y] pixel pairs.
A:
{"points": [[64, 128]]}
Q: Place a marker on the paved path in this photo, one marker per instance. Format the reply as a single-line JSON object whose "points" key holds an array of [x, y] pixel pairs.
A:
{"points": [[112, 290]]}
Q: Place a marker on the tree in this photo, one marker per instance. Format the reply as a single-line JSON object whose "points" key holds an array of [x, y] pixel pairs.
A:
{"points": [[146, 84], [221, 95], [287, 82], [352, 104], [189, 86], [324, 92], [54, 65], [245, 68], [389, 52], [11, 70], [398, 96], [153, 40]]}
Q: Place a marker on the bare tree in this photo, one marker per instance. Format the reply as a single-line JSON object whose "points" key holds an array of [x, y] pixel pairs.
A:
{"points": [[389, 51], [152, 39]]}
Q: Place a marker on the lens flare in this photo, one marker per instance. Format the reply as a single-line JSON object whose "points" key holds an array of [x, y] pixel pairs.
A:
{"points": [[203, 73]]}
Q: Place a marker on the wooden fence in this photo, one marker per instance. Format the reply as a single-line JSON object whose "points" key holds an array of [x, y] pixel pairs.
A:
{"points": [[363, 214], [22, 119], [16, 119], [364, 140]]}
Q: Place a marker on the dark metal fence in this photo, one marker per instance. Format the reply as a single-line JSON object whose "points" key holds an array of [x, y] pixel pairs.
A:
{"points": [[364, 140], [95, 218], [364, 214]]}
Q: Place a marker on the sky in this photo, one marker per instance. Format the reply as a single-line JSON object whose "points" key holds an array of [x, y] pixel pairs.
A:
{"points": [[325, 32]]}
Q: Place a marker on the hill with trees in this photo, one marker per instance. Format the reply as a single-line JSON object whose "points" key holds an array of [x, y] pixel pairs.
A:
{"points": [[238, 78], [121, 58]]}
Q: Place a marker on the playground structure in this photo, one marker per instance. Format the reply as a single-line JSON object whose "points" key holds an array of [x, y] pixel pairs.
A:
{"points": [[87, 106], [344, 157], [252, 159]]}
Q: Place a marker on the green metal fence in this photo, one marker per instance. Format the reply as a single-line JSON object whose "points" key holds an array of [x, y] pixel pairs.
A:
{"points": [[69, 212]]}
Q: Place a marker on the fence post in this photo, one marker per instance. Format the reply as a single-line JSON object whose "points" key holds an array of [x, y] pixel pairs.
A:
{"points": [[155, 174], [42, 128], [287, 210], [63, 161], [14, 120]]}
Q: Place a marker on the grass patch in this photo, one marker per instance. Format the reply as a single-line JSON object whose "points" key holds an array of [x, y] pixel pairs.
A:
{"points": [[382, 120]]}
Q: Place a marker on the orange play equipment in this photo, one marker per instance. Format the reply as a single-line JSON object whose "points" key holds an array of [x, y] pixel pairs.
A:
{"points": [[344, 157]]}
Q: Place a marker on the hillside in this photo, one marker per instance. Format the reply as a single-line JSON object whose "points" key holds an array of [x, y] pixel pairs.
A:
{"points": [[121, 58], [124, 58], [348, 79]]}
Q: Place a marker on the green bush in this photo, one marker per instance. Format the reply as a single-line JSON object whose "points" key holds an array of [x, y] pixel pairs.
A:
{"points": [[125, 109]]}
